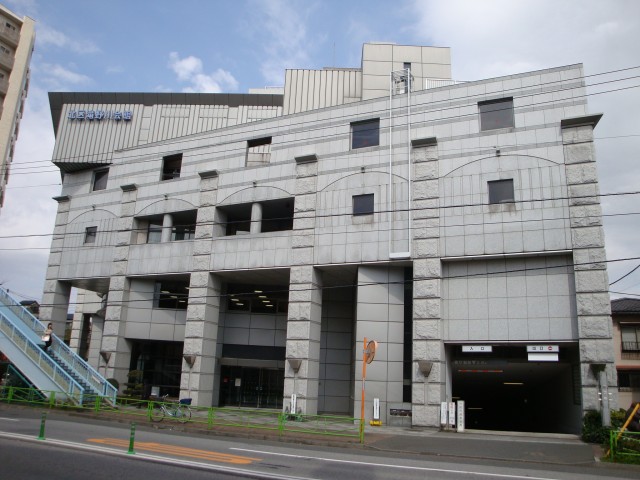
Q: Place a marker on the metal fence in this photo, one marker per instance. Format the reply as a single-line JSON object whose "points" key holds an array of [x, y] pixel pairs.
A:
{"points": [[624, 445], [278, 422]]}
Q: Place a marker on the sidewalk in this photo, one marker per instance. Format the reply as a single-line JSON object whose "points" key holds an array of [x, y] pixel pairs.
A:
{"points": [[550, 449], [486, 445], [555, 449]]}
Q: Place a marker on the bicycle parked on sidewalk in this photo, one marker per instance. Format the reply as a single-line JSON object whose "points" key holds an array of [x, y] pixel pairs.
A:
{"points": [[181, 411]]}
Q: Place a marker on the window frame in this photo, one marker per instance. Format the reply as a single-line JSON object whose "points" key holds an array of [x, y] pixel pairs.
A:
{"points": [[100, 179], [154, 230], [90, 235], [171, 295], [627, 344], [496, 118], [358, 137], [498, 197], [359, 209], [169, 170]]}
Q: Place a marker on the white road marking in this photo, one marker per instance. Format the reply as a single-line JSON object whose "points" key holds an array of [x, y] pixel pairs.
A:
{"points": [[400, 467], [9, 419]]}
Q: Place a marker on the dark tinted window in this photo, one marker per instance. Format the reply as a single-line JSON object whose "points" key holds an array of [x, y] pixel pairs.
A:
{"points": [[363, 204], [496, 114], [365, 134], [501, 191], [100, 179], [90, 234], [171, 166]]}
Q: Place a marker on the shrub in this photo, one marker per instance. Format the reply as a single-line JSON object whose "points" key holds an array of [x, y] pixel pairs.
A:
{"points": [[114, 382], [592, 429]]}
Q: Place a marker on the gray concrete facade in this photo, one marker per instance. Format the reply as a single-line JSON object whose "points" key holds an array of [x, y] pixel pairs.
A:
{"points": [[299, 244]]}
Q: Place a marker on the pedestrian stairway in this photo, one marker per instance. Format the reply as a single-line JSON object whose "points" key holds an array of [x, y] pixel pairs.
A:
{"points": [[59, 371]]}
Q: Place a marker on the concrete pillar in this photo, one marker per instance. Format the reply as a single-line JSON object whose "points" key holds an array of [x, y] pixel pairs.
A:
{"points": [[200, 371], [256, 217], [303, 339], [380, 317], [167, 228], [593, 304], [55, 297], [200, 379], [305, 296], [115, 353], [428, 347]]}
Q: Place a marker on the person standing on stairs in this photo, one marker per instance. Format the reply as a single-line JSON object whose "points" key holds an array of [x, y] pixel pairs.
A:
{"points": [[48, 337]]}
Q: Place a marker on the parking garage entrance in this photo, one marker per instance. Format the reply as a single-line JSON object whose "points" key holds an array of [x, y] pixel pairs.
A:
{"points": [[504, 390], [251, 387]]}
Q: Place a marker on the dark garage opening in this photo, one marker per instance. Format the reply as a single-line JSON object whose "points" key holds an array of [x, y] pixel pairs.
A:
{"points": [[504, 391]]}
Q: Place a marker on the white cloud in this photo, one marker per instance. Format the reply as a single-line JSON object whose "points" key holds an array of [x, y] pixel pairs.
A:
{"points": [[114, 69], [29, 209], [504, 37], [46, 35], [64, 75], [190, 70], [287, 43]]}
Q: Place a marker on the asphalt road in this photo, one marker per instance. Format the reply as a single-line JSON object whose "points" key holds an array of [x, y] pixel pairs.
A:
{"points": [[83, 448]]}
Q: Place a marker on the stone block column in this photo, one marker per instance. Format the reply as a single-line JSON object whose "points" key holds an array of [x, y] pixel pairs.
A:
{"points": [[55, 297], [593, 304], [115, 354], [303, 339], [302, 368], [428, 347], [200, 368]]}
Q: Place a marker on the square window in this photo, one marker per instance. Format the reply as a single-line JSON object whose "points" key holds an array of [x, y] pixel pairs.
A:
{"points": [[258, 151], [174, 295], [171, 166], [365, 134], [501, 191], [90, 234], [100, 179], [363, 204], [496, 114]]}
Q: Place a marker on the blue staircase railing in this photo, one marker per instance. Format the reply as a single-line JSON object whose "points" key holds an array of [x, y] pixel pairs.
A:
{"points": [[87, 376], [40, 359]]}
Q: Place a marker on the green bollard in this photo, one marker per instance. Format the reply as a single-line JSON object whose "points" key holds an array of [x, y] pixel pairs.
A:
{"points": [[42, 420], [132, 439]]}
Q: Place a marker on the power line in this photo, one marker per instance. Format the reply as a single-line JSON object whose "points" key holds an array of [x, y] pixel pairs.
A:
{"points": [[184, 138], [625, 275], [266, 291], [346, 214]]}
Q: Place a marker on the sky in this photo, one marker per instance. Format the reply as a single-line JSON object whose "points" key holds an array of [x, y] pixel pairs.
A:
{"points": [[231, 46]]}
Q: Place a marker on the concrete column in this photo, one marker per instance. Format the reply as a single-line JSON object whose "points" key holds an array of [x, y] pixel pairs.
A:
{"points": [[305, 296], [256, 218], [167, 228], [201, 380], [428, 347], [593, 304], [55, 297], [115, 353], [380, 317], [303, 339]]}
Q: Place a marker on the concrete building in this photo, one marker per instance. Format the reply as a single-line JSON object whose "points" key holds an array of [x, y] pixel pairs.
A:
{"points": [[625, 313], [17, 37], [242, 247]]}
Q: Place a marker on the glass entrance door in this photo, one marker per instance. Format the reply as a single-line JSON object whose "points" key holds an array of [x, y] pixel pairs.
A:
{"points": [[251, 387]]}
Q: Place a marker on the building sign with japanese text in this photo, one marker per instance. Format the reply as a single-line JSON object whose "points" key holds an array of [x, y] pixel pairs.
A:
{"points": [[99, 115]]}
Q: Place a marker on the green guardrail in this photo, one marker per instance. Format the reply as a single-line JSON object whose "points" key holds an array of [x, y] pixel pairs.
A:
{"points": [[205, 417], [624, 445]]}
